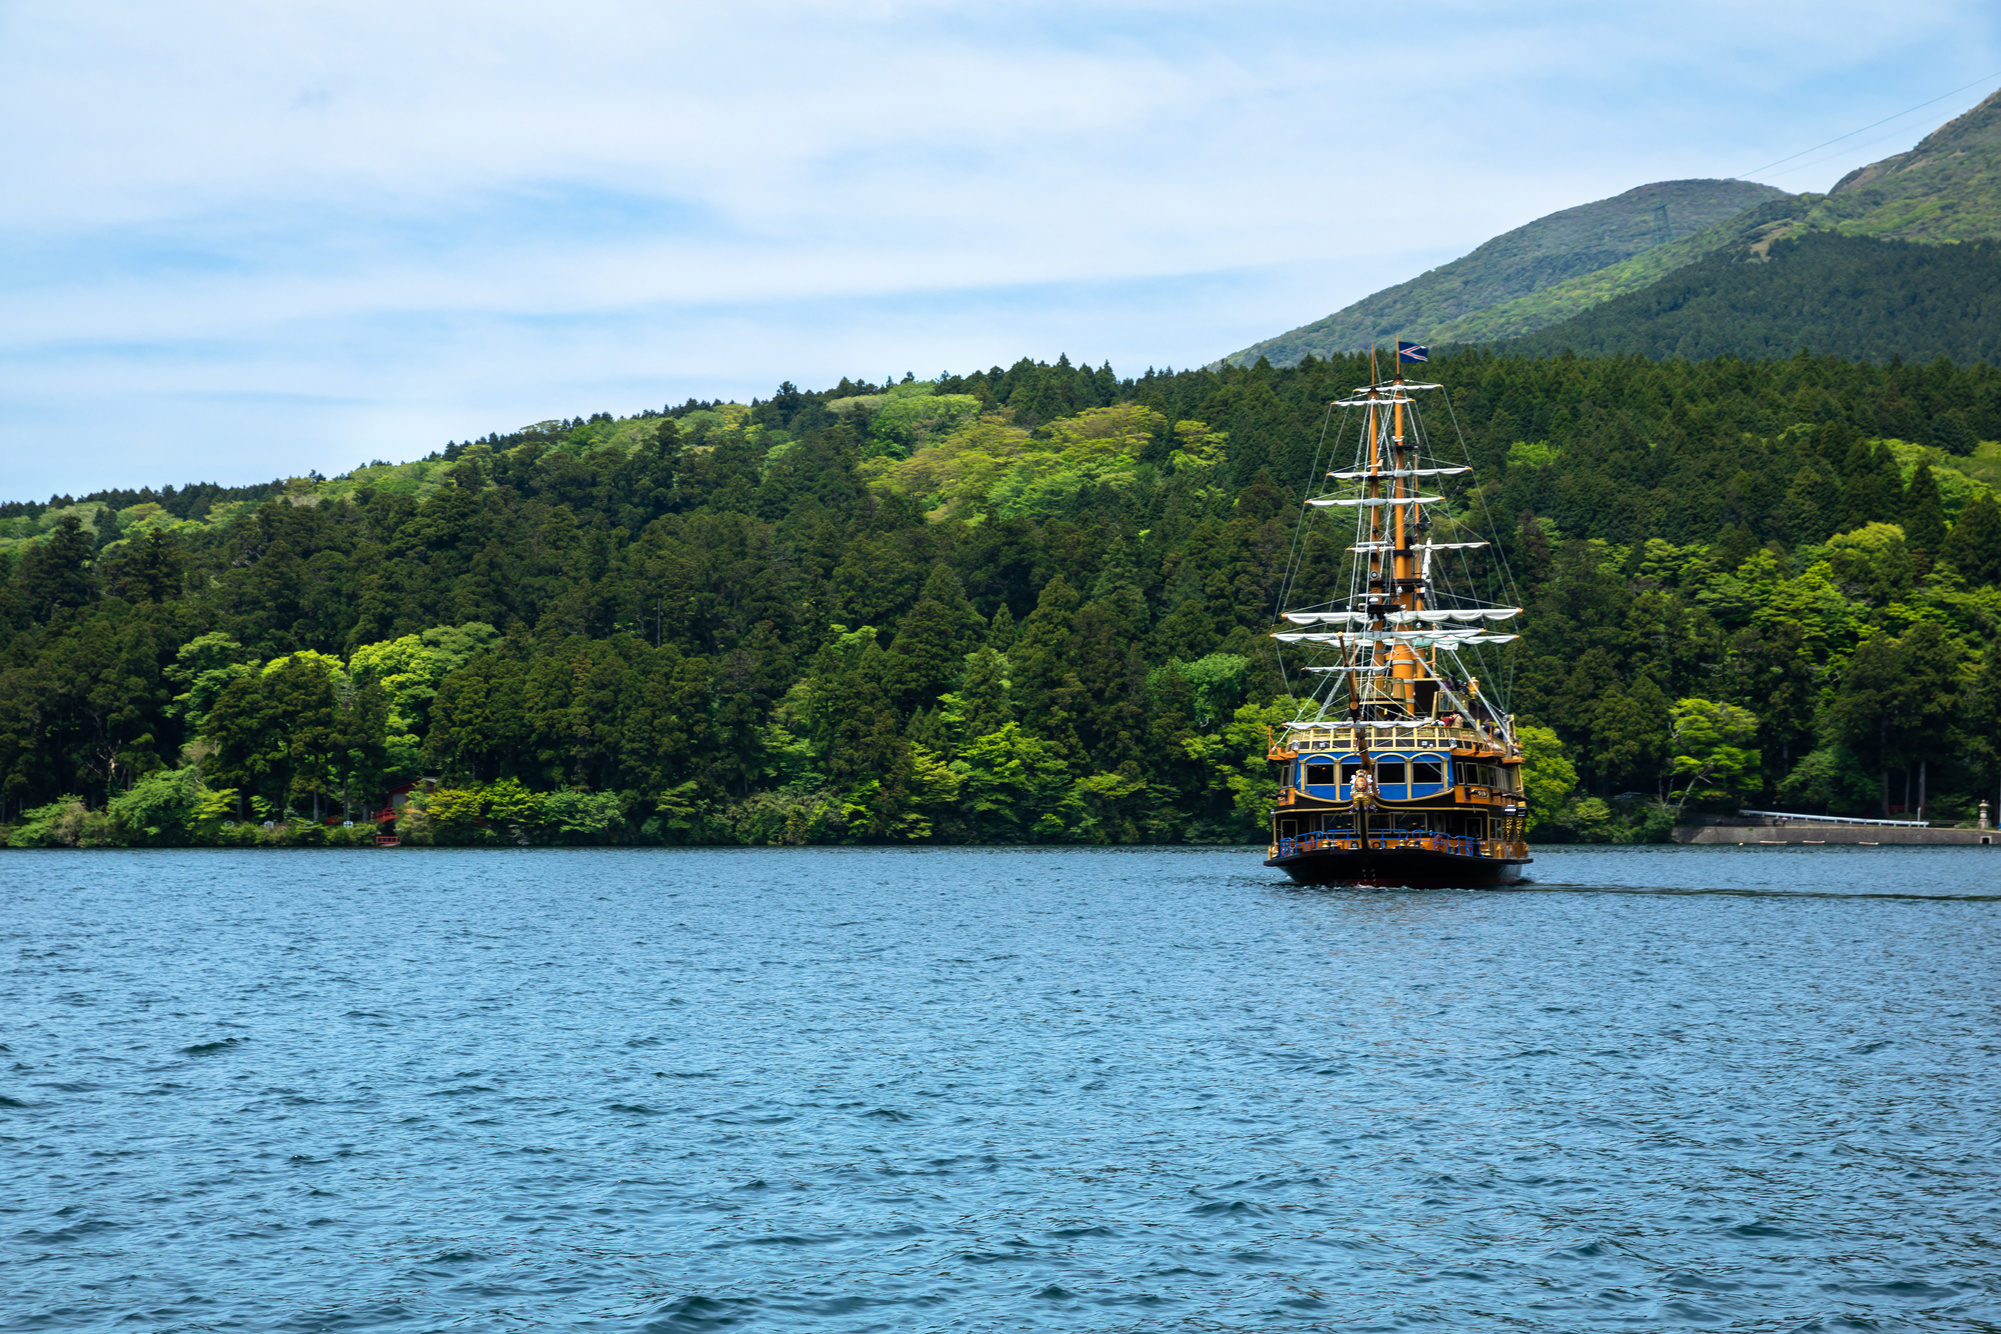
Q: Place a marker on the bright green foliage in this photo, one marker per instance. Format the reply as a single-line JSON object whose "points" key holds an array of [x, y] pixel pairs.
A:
{"points": [[1217, 681], [993, 463], [1872, 560], [206, 665], [1714, 749], [60, 824], [211, 809], [454, 814], [1829, 777], [1548, 776], [901, 804], [159, 808], [587, 816], [906, 422], [1016, 787], [411, 668], [513, 808]]}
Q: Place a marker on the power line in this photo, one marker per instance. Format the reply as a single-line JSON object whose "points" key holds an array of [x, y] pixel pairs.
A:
{"points": [[1885, 121]]}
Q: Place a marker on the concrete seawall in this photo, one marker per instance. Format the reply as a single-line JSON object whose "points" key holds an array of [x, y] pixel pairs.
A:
{"points": [[1752, 836]]}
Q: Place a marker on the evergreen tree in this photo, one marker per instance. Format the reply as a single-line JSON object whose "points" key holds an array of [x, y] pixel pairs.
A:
{"points": [[1188, 632], [1950, 432], [675, 593], [1803, 516], [1117, 586], [1000, 633], [1630, 734], [933, 640], [983, 703], [55, 575], [1047, 688], [1974, 544], [1874, 490], [1923, 517]]}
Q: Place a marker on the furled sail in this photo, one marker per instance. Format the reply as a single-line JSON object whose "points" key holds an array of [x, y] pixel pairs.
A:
{"points": [[1451, 614], [1360, 501], [1398, 472], [1415, 637]]}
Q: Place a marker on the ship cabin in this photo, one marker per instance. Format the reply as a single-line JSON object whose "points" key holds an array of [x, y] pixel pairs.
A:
{"points": [[1457, 788]]}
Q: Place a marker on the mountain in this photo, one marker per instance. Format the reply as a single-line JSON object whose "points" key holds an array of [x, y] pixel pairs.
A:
{"points": [[1851, 296], [1551, 250], [1946, 189], [1896, 260]]}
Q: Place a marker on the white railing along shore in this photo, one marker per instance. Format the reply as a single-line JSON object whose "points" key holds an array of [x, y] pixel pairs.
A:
{"points": [[1839, 819]]}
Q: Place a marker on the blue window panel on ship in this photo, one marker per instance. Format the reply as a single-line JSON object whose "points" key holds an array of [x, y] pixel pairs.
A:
{"points": [[1317, 778], [1390, 771], [1428, 775]]}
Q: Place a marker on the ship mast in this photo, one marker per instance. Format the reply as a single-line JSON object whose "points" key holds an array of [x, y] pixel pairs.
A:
{"points": [[1395, 618]]}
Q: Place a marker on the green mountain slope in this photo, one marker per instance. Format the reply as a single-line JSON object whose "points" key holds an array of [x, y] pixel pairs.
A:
{"points": [[1948, 188], [1549, 251], [1852, 296], [1755, 227]]}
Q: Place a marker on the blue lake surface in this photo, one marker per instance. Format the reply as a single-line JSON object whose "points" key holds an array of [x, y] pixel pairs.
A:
{"points": [[997, 1089]]}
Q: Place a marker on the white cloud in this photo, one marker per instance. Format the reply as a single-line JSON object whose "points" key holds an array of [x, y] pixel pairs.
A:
{"points": [[262, 238]]}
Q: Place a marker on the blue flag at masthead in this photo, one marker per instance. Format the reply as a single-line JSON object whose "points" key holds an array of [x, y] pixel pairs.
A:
{"points": [[1412, 351]]}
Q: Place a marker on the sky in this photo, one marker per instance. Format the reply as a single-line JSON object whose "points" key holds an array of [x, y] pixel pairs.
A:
{"points": [[245, 241]]}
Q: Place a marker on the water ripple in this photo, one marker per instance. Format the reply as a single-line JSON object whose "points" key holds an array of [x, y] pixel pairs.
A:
{"points": [[996, 1090]]}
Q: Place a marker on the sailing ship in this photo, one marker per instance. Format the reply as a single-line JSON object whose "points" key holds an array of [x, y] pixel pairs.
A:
{"points": [[1403, 768]]}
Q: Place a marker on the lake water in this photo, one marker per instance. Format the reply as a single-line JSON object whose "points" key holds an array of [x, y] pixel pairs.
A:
{"points": [[1023, 1089]]}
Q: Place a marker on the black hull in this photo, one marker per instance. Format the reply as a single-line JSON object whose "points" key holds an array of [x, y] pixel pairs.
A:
{"points": [[1402, 868]]}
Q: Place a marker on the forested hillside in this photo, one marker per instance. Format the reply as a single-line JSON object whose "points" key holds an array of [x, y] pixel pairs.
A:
{"points": [[1849, 295], [1022, 604]]}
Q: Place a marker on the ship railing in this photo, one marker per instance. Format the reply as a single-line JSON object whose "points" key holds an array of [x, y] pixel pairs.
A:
{"points": [[1385, 737], [1388, 840]]}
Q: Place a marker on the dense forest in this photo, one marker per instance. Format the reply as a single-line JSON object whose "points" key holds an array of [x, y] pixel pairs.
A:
{"points": [[1025, 604], [1852, 295]]}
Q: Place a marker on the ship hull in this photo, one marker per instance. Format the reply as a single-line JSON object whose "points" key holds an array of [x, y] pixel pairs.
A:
{"points": [[1401, 868]]}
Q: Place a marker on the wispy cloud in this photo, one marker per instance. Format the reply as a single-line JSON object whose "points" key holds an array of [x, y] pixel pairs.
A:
{"points": [[252, 239]]}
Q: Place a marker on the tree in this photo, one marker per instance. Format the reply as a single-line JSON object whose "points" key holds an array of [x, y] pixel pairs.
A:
{"points": [[279, 733], [1804, 515], [984, 703], [1874, 490], [1895, 699], [1046, 686], [150, 568], [1973, 547], [933, 640], [1714, 752], [1924, 516], [55, 575], [1630, 734], [1548, 776]]}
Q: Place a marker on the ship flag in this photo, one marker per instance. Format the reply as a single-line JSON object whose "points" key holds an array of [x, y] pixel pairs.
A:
{"points": [[1412, 351]]}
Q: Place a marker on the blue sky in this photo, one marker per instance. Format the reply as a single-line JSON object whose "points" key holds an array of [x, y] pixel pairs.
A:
{"points": [[246, 241]]}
